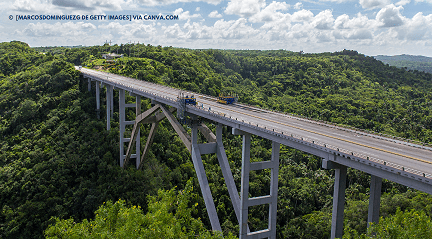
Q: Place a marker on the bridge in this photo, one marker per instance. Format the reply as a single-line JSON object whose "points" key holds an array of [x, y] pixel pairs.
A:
{"points": [[391, 158]]}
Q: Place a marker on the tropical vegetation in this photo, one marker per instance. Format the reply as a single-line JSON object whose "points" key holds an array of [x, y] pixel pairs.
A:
{"points": [[59, 170]]}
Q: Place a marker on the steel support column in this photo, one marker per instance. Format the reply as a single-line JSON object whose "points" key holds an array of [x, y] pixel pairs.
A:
{"points": [[89, 84], [111, 89], [138, 139], [108, 106], [374, 199], [122, 119], [98, 99], [226, 172], [203, 182], [338, 201], [274, 189], [155, 123], [123, 122], [149, 141], [244, 191], [246, 202]]}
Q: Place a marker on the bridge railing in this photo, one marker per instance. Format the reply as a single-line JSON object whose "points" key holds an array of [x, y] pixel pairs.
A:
{"points": [[347, 152], [396, 139]]}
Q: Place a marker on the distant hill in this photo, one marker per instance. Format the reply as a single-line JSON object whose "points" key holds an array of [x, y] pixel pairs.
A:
{"points": [[420, 63]]}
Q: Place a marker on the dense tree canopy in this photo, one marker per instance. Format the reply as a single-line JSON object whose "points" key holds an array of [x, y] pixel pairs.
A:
{"points": [[169, 216], [408, 62]]}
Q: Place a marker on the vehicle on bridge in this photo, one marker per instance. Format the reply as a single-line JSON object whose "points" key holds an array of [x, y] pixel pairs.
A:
{"points": [[190, 100], [185, 99], [227, 99]]}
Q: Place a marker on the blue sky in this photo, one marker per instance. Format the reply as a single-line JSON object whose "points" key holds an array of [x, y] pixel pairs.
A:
{"points": [[371, 27]]}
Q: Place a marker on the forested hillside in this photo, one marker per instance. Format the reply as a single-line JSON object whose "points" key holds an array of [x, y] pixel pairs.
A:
{"points": [[409, 62], [57, 161]]}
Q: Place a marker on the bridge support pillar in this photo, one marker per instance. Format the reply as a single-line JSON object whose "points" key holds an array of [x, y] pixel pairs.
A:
{"points": [[374, 199], [226, 172], [98, 99], [246, 202], [109, 105], [138, 140], [112, 101], [123, 122], [202, 177], [338, 196], [89, 84], [244, 191], [338, 201]]}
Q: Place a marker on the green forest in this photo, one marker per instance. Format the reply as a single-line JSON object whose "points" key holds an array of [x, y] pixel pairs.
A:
{"points": [[59, 170], [408, 62]]}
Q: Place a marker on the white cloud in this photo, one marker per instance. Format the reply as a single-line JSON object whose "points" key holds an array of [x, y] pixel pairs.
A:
{"points": [[360, 21], [198, 31], [134, 30], [324, 20], [56, 6], [360, 34], [402, 2], [68, 29], [270, 12], [341, 21], [371, 4], [185, 15], [244, 8], [235, 29], [215, 14], [323, 36], [168, 2], [302, 16], [416, 28], [428, 1], [336, 1], [298, 31], [222, 30], [112, 5], [298, 5], [279, 24], [337, 34], [32, 6], [390, 16], [174, 32]]}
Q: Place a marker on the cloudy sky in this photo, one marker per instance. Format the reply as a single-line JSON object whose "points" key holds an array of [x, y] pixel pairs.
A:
{"points": [[371, 27]]}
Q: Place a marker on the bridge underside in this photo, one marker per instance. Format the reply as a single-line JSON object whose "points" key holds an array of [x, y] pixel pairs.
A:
{"points": [[240, 199]]}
